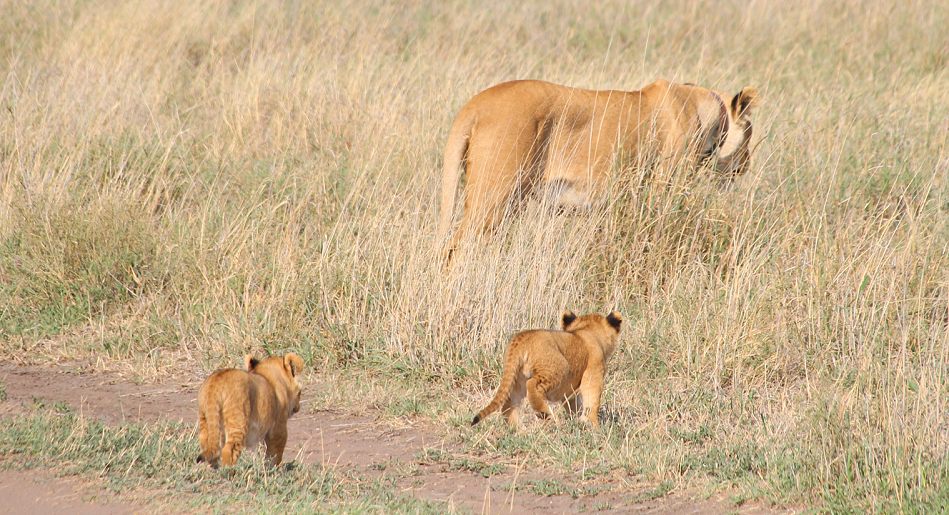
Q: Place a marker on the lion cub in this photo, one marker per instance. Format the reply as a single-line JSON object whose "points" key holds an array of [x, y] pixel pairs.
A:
{"points": [[241, 408], [546, 365]]}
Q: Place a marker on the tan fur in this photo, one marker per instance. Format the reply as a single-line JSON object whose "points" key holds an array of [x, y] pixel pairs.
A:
{"points": [[238, 409], [515, 136], [544, 365]]}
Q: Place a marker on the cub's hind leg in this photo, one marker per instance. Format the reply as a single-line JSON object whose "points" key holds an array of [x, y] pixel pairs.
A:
{"points": [[547, 379], [537, 395], [511, 409], [236, 418], [209, 436]]}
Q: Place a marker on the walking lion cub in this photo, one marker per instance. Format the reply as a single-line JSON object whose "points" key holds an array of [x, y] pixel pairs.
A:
{"points": [[241, 408], [546, 365]]}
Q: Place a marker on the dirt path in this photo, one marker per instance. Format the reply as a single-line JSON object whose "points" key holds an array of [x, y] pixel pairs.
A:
{"points": [[335, 439], [37, 491]]}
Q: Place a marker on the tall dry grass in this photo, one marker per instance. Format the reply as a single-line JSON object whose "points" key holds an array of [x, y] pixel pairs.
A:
{"points": [[189, 180]]}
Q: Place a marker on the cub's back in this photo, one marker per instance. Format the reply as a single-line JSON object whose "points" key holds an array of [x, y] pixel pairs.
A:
{"points": [[545, 341], [224, 380]]}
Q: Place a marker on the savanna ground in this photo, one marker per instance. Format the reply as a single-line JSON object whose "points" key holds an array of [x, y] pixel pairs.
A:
{"points": [[185, 182]]}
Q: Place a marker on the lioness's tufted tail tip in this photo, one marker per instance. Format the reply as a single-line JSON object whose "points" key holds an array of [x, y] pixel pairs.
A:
{"points": [[476, 419]]}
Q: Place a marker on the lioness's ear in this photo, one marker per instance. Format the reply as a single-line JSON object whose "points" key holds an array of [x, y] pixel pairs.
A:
{"points": [[744, 100], [615, 319], [250, 362], [293, 363], [567, 318]]}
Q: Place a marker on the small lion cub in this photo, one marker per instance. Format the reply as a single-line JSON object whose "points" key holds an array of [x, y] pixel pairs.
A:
{"points": [[546, 365], [241, 408]]}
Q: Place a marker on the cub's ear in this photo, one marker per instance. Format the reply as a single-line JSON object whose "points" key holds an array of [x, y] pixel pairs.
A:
{"points": [[293, 364], [615, 319], [744, 100], [250, 362], [567, 318]]}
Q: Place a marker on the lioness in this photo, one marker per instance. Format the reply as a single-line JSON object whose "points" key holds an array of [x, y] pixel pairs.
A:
{"points": [[241, 408], [546, 365], [513, 136]]}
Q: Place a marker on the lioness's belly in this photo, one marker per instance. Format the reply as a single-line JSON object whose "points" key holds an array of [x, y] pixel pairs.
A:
{"points": [[573, 179], [565, 193]]}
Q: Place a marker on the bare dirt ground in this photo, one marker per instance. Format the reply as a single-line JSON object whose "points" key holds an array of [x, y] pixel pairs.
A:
{"points": [[335, 439], [38, 491]]}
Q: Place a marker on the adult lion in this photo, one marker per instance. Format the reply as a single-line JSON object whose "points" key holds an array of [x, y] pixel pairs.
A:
{"points": [[517, 135]]}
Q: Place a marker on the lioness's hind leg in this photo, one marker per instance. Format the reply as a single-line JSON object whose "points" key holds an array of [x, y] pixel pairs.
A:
{"points": [[500, 174]]}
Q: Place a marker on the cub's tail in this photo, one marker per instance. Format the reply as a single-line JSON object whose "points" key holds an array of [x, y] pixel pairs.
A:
{"points": [[511, 369]]}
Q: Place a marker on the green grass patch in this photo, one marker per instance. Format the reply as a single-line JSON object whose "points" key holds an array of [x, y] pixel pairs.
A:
{"points": [[64, 265], [552, 487], [465, 463]]}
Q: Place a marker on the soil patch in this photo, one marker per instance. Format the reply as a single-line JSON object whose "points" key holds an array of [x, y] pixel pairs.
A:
{"points": [[37, 491], [358, 443]]}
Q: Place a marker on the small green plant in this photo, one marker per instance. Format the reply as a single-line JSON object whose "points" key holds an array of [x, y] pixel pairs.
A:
{"points": [[548, 487], [658, 491], [432, 455]]}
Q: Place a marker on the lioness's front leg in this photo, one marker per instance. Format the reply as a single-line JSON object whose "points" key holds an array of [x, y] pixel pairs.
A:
{"points": [[276, 443]]}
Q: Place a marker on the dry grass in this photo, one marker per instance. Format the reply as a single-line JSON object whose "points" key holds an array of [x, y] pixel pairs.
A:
{"points": [[191, 180]]}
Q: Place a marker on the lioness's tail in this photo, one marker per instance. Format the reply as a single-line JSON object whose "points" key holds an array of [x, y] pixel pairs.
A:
{"points": [[452, 167], [511, 369]]}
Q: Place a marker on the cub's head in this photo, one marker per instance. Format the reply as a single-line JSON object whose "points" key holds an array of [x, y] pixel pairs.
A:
{"points": [[734, 151], [604, 328], [287, 367]]}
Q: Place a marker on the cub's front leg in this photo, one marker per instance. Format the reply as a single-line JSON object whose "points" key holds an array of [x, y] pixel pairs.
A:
{"points": [[276, 442], [591, 389]]}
